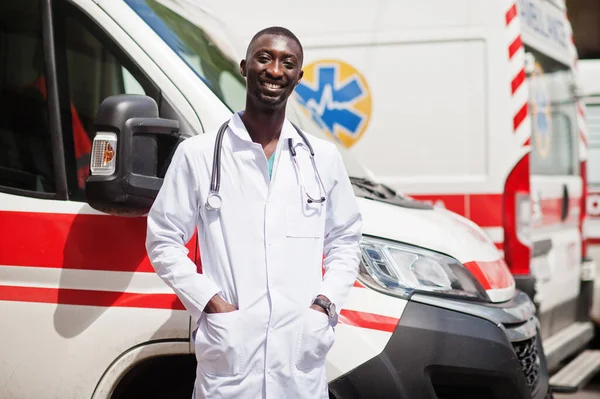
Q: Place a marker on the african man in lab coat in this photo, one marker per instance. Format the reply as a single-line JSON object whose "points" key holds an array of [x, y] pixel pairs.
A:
{"points": [[265, 313]]}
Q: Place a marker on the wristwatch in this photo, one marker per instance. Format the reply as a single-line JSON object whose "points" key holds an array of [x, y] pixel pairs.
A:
{"points": [[327, 305]]}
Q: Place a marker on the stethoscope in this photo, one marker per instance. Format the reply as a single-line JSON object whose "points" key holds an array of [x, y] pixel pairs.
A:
{"points": [[214, 200]]}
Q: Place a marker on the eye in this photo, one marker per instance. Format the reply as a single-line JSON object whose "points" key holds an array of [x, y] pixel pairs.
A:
{"points": [[289, 65], [263, 59]]}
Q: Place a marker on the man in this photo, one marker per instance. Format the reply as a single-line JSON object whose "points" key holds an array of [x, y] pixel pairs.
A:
{"points": [[265, 312]]}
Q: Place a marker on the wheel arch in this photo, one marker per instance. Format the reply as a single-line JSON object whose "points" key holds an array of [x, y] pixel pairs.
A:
{"points": [[132, 359]]}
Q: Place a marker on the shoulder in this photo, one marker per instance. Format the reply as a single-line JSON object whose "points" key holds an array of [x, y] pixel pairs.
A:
{"points": [[200, 142], [198, 146], [194, 154]]}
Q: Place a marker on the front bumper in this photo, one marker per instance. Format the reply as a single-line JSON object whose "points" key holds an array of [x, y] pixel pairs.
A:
{"points": [[455, 349]]}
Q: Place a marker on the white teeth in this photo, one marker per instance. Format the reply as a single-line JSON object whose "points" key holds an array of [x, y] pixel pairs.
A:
{"points": [[272, 86]]}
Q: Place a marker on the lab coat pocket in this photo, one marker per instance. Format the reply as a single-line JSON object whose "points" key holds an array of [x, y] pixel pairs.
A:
{"points": [[316, 339], [219, 348], [303, 220]]}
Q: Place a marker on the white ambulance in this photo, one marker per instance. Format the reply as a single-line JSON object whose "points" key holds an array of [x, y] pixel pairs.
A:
{"points": [[471, 105], [589, 71], [434, 312]]}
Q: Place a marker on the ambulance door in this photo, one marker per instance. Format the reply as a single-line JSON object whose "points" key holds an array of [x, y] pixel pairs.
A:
{"points": [[593, 203], [76, 287], [556, 190]]}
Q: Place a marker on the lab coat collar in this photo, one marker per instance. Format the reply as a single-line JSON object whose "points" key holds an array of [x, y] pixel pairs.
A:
{"points": [[239, 129]]}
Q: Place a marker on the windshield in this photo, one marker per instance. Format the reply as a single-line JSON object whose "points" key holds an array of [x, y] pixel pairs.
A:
{"points": [[200, 40]]}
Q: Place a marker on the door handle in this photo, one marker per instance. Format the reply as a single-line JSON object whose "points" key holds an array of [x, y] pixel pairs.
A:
{"points": [[565, 204]]}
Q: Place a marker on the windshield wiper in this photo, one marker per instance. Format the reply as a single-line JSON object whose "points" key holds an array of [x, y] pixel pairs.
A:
{"points": [[373, 187], [380, 192]]}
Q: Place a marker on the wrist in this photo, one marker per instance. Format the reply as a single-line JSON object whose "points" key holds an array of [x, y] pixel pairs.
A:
{"points": [[325, 304], [214, 304], [318, 308]]}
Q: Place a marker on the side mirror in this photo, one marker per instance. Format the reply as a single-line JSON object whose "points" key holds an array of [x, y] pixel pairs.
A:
{"points": [[131, 152]]}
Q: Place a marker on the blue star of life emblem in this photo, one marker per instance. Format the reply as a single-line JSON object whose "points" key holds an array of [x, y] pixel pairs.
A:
{"points": [[330, 101]]}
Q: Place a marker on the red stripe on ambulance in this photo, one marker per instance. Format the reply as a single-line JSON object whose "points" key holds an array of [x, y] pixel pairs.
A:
{"points": [[484, 210], [100, 243], [65, 296], [515, 46], [552, 209], [511, 14], [368, 320], [74, 241], [518, 80], [520, 117], [583, 138]]}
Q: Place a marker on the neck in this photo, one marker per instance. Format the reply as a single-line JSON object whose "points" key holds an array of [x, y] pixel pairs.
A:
{"points": [[263, 125]]}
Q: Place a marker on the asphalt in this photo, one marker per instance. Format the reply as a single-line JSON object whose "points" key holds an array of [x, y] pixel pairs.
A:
{"points": [[590, 391]]}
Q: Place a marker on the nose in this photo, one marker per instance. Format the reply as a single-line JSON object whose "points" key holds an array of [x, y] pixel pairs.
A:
{"points": [[275, 70]]}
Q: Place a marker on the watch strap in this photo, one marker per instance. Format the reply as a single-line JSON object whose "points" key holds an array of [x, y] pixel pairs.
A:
{"points": [[323, 304]]}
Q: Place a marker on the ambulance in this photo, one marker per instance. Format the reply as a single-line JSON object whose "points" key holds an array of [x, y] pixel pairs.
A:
{"points": [[471, 105], [95, 96], [589, 71]]}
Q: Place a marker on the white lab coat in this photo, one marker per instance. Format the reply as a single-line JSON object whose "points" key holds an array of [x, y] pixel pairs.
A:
{"points": [[262, 252]]}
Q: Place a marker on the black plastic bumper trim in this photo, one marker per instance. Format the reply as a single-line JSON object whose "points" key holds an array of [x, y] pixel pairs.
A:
{"points": [[436, 353]]}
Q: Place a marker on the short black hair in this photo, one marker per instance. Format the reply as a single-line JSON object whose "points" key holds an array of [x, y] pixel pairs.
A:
{"points": [[275, 30]]}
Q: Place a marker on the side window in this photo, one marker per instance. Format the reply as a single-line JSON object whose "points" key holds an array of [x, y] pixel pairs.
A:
{"points": [[25, 147], [553, 109], [94, 69], [593, 121]]}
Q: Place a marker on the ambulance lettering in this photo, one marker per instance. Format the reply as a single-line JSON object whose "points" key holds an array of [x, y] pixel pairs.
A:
{"points": [[539, 20]]}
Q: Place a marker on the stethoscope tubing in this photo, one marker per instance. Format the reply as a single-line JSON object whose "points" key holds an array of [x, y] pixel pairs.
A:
{"points": [[215, 178]]}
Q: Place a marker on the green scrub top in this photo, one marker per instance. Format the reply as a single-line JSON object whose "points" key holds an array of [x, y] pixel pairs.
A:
{"points": [[271, 160]]}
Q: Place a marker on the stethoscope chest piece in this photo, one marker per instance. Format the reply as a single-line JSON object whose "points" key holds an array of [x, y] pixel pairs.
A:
{"points": [[213, 201]]}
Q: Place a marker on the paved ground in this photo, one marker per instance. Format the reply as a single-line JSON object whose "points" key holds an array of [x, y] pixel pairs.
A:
{"points": [[591, 391], [586, 394]]}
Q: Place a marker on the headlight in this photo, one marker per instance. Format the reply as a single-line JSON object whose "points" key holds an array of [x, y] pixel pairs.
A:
{"points": [[401, 269]]}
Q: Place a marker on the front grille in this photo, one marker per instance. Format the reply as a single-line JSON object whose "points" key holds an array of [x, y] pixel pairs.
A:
{"points": [[527, 352]]}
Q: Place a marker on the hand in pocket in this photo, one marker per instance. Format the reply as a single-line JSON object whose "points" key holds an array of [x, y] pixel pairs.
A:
{"points": [[316, 339], [219, 347]]}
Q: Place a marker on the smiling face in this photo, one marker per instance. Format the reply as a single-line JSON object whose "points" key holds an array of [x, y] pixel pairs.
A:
{"points": [[272, 70]]}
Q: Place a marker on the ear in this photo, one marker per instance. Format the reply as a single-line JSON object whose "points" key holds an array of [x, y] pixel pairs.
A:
{"points": [[243, 68], [300, 77]]}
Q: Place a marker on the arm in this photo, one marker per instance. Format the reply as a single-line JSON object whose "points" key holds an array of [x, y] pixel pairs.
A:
{"points": [[342, 235], [171, 223]]}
